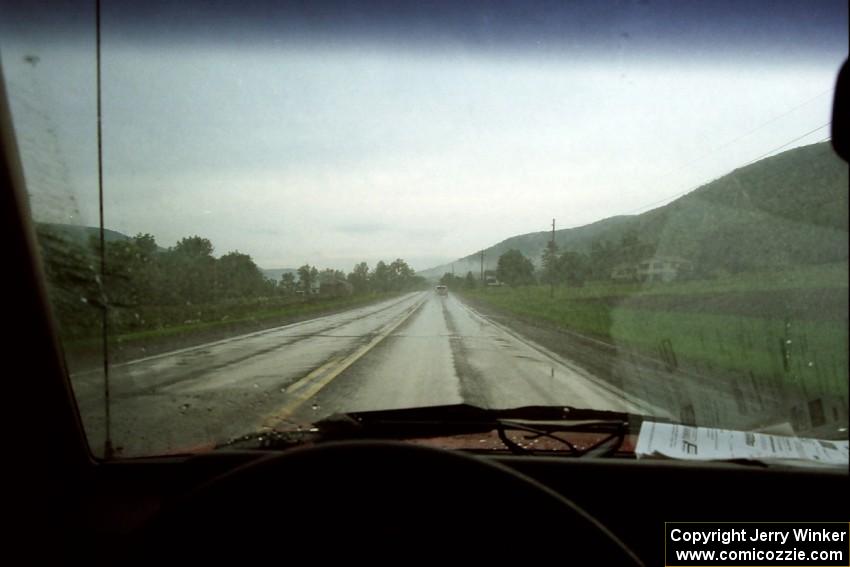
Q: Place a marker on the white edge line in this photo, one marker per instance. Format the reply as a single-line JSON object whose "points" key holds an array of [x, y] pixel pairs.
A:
{"points": [[640, 403]]}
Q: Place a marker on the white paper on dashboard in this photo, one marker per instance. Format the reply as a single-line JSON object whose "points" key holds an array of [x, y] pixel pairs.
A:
{"points": [[707, 443]]}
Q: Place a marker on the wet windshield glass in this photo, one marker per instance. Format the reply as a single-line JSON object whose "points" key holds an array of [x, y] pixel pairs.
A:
{"points": [[293, 210]]}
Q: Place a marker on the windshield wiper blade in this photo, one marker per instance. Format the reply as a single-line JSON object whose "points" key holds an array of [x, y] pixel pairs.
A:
{"points": [[539, 422], [465, 414], [615, 432], [460, 419]]}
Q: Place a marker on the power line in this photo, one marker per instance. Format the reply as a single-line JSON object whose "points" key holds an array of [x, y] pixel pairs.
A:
{"points": [[776, 149], [756, 129], [729, 143], [769, 122], [748, 132], [691, 188]]}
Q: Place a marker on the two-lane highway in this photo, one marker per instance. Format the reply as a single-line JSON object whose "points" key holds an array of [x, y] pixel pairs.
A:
{"points": [[421, 349]]}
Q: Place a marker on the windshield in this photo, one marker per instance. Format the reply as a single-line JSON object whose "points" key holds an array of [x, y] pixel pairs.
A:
{"points": [[255, 216]]}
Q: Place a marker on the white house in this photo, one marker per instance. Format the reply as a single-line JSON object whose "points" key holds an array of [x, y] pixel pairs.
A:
{"points": [[655, 269]]}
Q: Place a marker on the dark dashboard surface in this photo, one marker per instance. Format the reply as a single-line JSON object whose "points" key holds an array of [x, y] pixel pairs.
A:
{"points": [[632, 499]]}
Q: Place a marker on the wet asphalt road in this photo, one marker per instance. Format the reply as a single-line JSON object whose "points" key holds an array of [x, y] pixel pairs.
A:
{"points": [[420, 349]]}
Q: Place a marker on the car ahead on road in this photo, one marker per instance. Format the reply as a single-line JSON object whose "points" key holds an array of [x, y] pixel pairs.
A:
{"points": [[442, 290], [267, 110]]}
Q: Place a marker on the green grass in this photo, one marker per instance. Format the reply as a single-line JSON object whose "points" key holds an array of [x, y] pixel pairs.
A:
{"points": [[811, 351], [826, 276], [748, 344]]}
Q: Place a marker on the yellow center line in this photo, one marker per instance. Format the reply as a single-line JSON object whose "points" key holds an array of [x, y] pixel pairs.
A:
{"points": [[312, 383]]}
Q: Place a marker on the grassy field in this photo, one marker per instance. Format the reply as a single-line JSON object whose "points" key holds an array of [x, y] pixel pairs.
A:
{"points": [[789, 325]]}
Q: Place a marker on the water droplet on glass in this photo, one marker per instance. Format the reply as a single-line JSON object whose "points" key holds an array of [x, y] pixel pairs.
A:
{"points": [[315, 406], [282, 390], [256, 385], [184, 407], [788, 342], [811, 364]]}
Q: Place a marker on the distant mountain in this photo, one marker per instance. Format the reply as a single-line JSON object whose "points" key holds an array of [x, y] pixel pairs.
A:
{"points": [[82, 234], [788, 209], [275, 273], [532, 244]]}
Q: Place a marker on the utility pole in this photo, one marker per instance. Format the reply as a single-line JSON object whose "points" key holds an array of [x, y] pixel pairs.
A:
{"points": [[482, 267], [551, 275]]}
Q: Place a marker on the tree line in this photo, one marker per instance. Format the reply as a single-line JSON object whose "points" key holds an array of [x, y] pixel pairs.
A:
{"points": [[138, 276], [566, 267], [393, 276], [469, 281], [515, 269]]}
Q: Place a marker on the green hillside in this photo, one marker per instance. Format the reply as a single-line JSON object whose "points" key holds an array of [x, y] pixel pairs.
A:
{"points": [[82, 234], [786, 210]]}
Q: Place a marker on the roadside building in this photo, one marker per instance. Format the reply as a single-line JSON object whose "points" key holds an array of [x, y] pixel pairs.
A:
{"points": [[335, 287], [652, 270], [490, 279], [623, 273], [663, 269]]}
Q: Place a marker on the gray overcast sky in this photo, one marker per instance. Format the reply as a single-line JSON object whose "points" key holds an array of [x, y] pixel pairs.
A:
{"points": [[328, 140]]}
